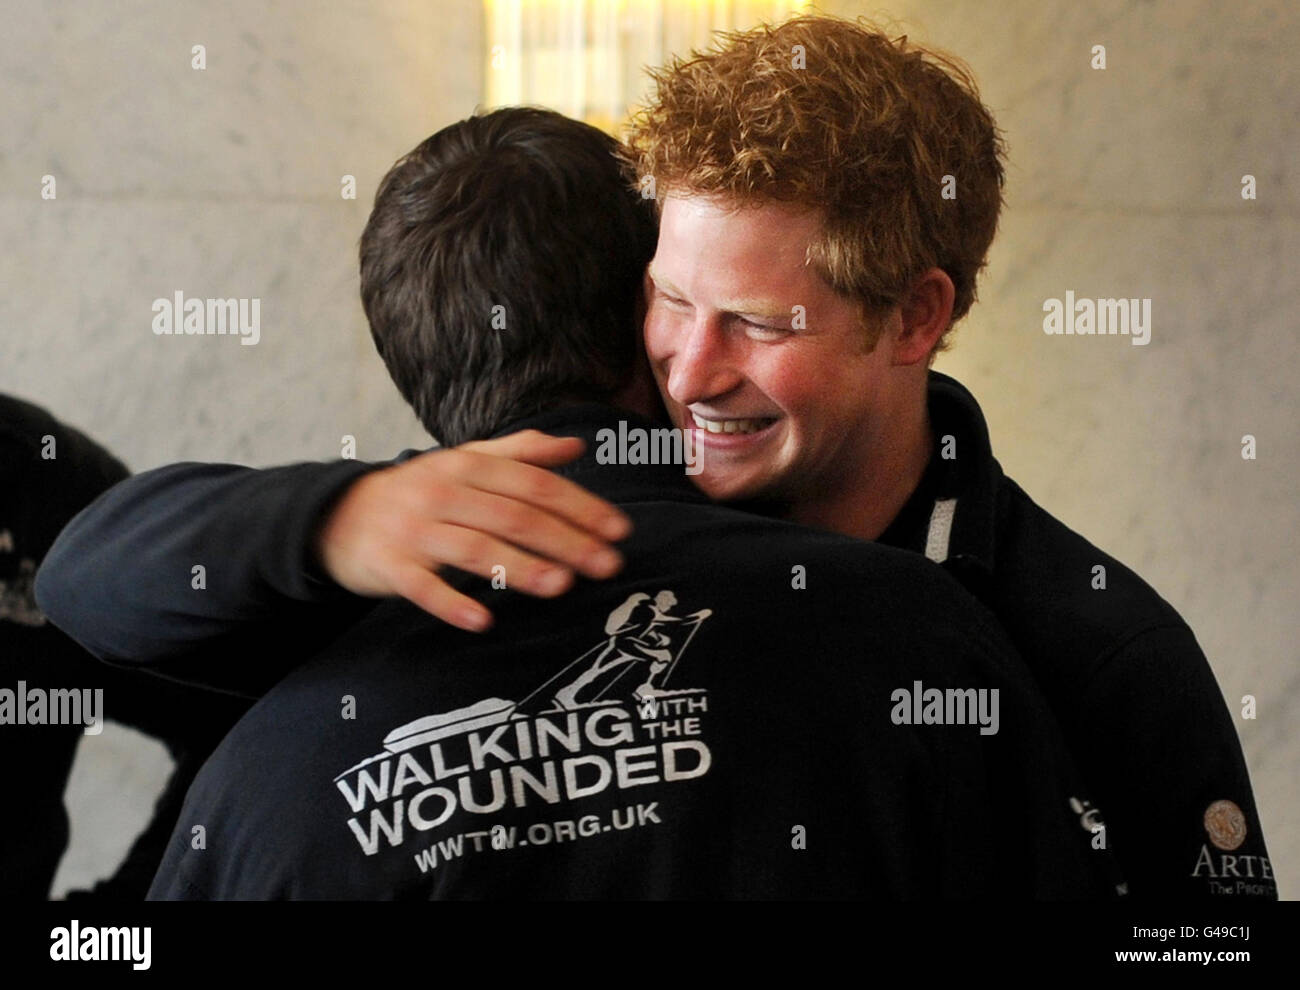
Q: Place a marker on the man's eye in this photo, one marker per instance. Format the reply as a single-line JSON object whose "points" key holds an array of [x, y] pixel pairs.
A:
{"points": [[762, 332]]}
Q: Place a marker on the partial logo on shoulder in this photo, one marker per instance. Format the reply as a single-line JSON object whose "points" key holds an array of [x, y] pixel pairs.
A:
{"points": [[1090, 819], [1240, 874]]}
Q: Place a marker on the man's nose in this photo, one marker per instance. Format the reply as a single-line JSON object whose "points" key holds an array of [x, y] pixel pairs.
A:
{"points": [[703, 366]]}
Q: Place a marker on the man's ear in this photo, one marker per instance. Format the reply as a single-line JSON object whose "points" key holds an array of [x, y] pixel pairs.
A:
{"points": [[925, 313]]}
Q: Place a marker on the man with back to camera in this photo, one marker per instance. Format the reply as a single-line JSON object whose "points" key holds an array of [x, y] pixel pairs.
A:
{"points": [[863, 440], [748, 747]]}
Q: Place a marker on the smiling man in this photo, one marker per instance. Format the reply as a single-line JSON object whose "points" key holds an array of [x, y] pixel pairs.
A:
{"points": [[827, 198], [775, 372]]}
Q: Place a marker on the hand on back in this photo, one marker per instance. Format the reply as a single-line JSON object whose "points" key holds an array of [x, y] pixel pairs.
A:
{"points": [[473, 507]]}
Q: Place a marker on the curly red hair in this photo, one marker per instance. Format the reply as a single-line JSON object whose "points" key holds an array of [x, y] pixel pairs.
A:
{"points": [[835, 115]]}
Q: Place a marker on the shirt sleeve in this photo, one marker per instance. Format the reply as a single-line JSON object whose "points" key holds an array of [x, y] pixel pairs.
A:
{"points": [[1182, 817], [203, 572]]}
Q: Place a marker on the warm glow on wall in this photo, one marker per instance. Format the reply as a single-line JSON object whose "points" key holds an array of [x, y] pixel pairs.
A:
{"points": [[586, 58]]}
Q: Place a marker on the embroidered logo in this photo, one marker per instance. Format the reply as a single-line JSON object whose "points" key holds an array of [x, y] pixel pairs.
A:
{"points": [[1225, 825]]}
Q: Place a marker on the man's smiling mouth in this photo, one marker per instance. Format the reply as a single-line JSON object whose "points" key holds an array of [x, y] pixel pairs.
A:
{"points": [[731, 425]]}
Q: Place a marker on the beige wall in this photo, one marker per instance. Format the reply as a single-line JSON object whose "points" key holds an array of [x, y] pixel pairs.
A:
{"points": [[1124, 182]]}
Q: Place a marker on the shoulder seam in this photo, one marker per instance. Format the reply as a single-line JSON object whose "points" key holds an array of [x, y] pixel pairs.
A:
{"points": [[1106, 656]]}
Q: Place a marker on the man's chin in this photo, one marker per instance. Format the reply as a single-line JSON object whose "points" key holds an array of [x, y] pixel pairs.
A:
{"points": [[721, 487]]}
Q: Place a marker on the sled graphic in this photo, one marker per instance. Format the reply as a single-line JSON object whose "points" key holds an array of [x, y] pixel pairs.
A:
{"points": [[431, 728]]}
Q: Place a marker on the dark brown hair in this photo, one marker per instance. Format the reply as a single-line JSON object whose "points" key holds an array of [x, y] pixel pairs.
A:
{"points": [[501, 270]]}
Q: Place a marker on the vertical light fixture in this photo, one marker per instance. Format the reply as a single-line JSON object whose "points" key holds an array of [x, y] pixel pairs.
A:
{"points": [[586, 58]]}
